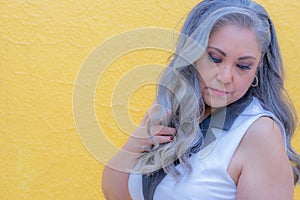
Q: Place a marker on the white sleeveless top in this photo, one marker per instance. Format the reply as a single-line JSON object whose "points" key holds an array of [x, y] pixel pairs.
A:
{"points": [[209, 179]]}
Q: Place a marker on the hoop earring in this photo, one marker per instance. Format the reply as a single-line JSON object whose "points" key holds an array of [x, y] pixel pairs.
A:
{"points": [[255, 82]]}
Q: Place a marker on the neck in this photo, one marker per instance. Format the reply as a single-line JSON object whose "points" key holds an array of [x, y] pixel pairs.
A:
{"points": [[207, 112]]}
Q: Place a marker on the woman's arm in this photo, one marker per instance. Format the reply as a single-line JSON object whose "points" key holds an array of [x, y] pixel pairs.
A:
{"points": [[266, 171], [116, 172]]}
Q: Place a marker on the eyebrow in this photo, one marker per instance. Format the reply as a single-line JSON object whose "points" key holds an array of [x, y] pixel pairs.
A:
{"points": [[224, 54]]}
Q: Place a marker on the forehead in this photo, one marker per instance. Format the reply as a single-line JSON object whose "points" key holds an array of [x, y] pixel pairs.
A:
{"points": [[235, 39]]}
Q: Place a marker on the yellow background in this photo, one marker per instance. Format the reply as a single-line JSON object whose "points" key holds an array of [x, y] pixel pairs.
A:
{"points": [[43, 45]]}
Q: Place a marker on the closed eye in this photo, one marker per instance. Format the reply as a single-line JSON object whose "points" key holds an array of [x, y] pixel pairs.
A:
{"points": [[214, 59], [244, 67]]}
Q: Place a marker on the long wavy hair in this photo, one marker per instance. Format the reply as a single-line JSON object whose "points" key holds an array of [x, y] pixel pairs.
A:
{"points": [[179, 88]]}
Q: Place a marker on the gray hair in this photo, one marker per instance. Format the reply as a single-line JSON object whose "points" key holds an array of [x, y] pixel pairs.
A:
{"points": [[179, 89]]}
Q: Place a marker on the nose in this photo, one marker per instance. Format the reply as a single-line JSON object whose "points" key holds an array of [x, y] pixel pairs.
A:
{"points": [[225, 74]]}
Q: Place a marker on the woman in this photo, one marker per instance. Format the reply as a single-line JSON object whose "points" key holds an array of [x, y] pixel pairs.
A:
{"points": [[221, 125]]}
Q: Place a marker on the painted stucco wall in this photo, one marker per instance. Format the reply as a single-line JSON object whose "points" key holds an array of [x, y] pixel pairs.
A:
{"points": [[48, 146]]}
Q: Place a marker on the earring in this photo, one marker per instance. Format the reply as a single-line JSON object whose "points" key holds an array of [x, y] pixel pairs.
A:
{"points": [[255, 82]]}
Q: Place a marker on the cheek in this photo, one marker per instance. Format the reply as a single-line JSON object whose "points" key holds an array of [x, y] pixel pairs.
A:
{"points": [[205, 79], [243, 83], [203, 82], [241, 87], [206, 72]]}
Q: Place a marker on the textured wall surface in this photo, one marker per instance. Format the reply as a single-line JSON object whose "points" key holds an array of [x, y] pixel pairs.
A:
{"points": [[43, 45]]}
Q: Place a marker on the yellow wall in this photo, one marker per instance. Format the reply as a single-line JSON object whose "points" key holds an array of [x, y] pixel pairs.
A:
{"points": [[43, 49]]}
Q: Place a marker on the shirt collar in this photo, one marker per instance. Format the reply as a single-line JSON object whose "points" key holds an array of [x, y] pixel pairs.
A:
{"points": [[224, 117], [220, 120]]}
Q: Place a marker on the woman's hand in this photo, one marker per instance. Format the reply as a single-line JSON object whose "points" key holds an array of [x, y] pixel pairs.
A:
{"points": [[116, 171], [147, 137]]}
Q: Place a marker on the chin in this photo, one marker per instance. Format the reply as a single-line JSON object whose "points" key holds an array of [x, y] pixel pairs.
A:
{"points": [[217, 103]]}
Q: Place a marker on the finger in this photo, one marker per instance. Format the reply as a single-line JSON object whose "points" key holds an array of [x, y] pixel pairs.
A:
{"points": [[164, 139], [162, 130], [160, 139]]}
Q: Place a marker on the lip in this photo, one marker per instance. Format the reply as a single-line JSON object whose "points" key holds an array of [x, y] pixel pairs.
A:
{"points": [[218, 92]]}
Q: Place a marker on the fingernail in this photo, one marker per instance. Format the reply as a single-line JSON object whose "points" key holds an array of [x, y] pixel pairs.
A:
{"points": [[172, 138]]}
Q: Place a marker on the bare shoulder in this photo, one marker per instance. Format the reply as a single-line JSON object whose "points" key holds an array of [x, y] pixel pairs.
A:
{"points": [[263, 143], [263, 140], [265, 133], [266, 170]]}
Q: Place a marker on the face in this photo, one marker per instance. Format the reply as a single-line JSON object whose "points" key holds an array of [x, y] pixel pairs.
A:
{"points": [[228, 67]]}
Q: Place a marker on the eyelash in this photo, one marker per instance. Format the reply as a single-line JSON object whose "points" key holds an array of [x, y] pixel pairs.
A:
{"points": [[217, 60], [243, 67]]}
